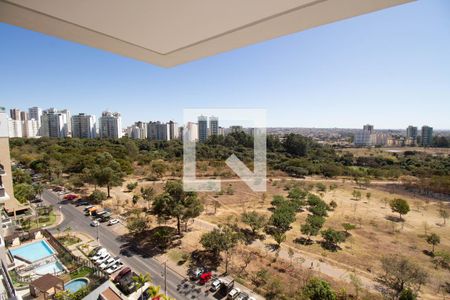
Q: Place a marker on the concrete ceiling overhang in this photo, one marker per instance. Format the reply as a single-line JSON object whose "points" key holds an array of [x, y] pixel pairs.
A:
{"points": [[169, 32]]}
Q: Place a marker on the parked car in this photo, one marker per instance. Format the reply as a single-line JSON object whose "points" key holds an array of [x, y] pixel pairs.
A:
{"points": [[114, 268], [87, 208], [242, 296], [234, 293], [121, 274], [251, 298], [95, 223], [81, 202], [108, 263], [99, 254], [95, 251], [71, 197], [113, 221], [103, 259], [215, 285], [198, 272]]}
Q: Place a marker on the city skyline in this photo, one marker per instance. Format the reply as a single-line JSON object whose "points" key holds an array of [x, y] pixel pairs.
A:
{"points": [[228, 124], [389, 62]]}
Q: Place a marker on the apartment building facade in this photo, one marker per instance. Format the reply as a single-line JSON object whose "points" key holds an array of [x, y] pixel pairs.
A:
{"points": [[84, 126], [110, 125]]}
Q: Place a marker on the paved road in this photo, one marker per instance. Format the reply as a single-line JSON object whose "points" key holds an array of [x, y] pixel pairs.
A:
{"points": [[78, 222]]}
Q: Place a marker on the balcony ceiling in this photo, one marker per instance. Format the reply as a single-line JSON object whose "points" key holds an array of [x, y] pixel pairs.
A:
{"points": [[168, 32]]}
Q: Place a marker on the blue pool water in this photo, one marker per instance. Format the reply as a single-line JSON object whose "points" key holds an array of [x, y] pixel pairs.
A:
{"points": [[75, 285], [51, 268], [34, 251]]}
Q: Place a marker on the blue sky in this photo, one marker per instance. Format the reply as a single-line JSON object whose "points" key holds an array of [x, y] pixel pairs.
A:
{"points": [[390, 68]]}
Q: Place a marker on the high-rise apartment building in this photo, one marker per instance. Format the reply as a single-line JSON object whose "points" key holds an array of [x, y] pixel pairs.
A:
{"points": [[36, 114], [411, 135], [173, 130], [427, 136], [157, 131], [30, 128], [6, 186], [202, 129], [364, 137], [15, 128], [54, 123], [84, 126], [14, 114], [411, 132], [23, 116], [213, 125], [110, 125]]}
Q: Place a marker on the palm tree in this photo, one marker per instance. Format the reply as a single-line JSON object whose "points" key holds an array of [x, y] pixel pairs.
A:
{"points": [[39, 189], [141, 280], [154, 292]]}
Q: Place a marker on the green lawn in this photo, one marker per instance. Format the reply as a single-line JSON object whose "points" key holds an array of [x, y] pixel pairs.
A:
{"points": [[81, 272], [69, 240]]}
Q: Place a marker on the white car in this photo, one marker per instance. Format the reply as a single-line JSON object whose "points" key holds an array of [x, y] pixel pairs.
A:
{"points": [[99, 253], [114, 268], [233, 293], [101, 256], [103, 259], [215, 285], [113, 221], [107, 263], [251, 298], [242, 296], [95, 223]]}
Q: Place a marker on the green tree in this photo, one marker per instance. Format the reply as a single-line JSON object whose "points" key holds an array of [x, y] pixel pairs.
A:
{"points": [[279, 237], [24, 192], [407, 294], [332, 238], [356, 195], [277, 200], [399, 206], [255, 220], [312, 225], [433, 239], [21, 176], [131, 186], [347, 227], [141, 280], [109, 173], [222, 239], [147, 193], [317, 289], [176, 203], [137, 225], [282, 218], [97, 197], [38, 189]]}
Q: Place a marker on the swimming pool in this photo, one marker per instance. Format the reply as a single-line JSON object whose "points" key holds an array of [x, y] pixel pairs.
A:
{"points": [[76, 284], [33, 252], [53, 268]]}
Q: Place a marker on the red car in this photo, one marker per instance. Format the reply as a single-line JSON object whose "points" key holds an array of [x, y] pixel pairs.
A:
{"points": [[71, 197], [205, 277], [122, 273]]}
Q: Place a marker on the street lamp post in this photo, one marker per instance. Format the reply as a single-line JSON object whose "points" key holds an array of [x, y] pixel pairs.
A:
{"points": [[165, 278]]}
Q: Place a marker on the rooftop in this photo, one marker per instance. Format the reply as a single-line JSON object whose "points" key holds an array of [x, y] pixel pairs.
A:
{"points": [[168, 33]]}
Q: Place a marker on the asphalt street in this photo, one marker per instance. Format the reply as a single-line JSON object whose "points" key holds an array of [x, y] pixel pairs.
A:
{"points": [[177, 286]]}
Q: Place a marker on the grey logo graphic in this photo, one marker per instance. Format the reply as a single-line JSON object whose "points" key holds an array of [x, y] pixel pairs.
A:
{"points": [[255, 179]]}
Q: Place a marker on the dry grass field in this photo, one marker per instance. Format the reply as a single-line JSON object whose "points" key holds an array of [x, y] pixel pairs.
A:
{"points": [[378, 231]]}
